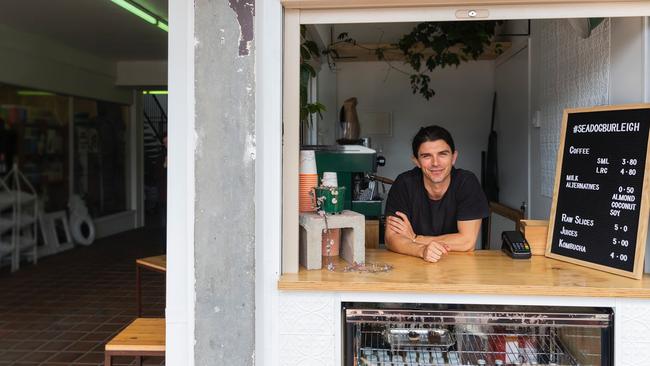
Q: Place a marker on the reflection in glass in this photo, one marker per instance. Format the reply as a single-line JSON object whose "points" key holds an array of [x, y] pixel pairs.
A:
{"points": [[100, 171], [33, 134]]}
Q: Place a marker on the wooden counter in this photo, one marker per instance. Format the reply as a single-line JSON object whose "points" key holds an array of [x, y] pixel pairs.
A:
{"points": [[480, 272]]}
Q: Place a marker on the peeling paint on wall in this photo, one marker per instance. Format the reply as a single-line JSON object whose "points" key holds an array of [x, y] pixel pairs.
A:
{"points": [[250, 148], [245, 10]]}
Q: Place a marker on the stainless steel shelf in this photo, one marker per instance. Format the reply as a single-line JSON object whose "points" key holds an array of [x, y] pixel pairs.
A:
{"points": [[462, 346]]}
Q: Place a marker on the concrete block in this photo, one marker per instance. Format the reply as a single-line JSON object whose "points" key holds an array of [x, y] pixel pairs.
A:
{"points": [[353, 237]]}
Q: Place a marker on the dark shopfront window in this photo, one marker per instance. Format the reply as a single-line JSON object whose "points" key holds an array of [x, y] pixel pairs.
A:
{"points": [[34, 136], [99, 158]]}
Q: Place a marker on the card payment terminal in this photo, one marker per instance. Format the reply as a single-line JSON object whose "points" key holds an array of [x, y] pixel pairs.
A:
{"points": [[515, 245]]}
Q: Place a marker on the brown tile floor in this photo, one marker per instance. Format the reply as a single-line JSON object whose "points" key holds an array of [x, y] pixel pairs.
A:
{"points": [[63, 310]]}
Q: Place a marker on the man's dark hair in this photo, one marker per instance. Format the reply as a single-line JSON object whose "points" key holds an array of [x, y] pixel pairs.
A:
{"points": [[432, 133]]}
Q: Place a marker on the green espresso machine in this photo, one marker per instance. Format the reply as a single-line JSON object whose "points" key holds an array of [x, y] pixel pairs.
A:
{"points": [[353, 164]]}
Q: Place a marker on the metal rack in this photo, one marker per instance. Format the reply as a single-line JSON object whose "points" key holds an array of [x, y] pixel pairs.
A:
{"points": [[18, 219], [401, 337], [466, 349]]}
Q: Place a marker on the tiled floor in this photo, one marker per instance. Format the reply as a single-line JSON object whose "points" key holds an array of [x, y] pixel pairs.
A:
{"points": [[63, 310]]}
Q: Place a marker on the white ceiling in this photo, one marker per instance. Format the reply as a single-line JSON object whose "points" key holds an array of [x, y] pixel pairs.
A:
{"points": [[98, 27], [374, 32]]}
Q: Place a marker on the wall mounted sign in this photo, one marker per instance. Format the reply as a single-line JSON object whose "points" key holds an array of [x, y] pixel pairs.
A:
{"points": [[599, 214]]}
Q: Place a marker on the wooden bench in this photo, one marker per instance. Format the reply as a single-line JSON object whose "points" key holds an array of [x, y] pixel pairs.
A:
{"points": [[158, 264], [143, 337]]}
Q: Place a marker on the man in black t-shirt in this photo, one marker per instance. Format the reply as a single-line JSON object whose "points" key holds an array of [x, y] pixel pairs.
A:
{"points": [[434, 208]]}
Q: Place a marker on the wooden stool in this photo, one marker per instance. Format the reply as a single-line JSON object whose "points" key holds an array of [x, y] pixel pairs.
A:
{"points": [[157, 264], [143, 337]]}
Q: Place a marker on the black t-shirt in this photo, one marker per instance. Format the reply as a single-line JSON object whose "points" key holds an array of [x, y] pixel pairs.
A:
{"points": [[464, 200]]}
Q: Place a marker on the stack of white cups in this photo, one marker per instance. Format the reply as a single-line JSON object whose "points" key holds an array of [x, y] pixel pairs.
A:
{"points": [[330, 179]]}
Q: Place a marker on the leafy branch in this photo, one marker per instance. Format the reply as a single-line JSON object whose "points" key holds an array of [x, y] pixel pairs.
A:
{"points": [[380, 52], [430, 45], [308, 52]]}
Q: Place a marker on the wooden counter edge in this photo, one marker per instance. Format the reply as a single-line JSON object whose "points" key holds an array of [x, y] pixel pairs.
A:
{"points": [[464, 289]]}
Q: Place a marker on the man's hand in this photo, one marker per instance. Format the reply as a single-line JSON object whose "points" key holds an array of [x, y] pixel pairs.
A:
{"points": [[434, 251], [401, 225]]}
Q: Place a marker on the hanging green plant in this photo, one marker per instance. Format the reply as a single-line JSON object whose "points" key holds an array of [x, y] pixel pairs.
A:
{"points": [[308, 52], [431, 45]]}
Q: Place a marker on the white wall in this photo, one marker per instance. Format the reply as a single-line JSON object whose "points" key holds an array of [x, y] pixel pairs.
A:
{"points": [[462, 104], [327, 95], [511, 124], [627, 55], [327, 92], [566, 72], [623, 74]]}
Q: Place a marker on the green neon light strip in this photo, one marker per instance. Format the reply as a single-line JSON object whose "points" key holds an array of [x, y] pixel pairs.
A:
{"points": [[162, 25], [136, 10], [31, 93], [154, 92]]}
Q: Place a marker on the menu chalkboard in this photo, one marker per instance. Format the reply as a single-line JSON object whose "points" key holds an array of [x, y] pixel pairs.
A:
{"points": [[599, 214]]}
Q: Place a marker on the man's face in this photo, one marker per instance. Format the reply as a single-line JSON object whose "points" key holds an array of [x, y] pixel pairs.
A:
{"points": [[436, 160]]}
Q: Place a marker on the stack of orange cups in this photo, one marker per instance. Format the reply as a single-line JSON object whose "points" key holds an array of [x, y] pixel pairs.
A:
{"points": [[308, 181]]}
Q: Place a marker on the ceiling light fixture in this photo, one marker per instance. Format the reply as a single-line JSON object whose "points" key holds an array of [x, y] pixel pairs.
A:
{"points": [[155, 92], [34, 93], [143, 13], [162, 25]]}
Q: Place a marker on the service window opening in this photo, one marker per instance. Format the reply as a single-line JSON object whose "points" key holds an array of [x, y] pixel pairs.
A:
{"points": [[399, 77]]}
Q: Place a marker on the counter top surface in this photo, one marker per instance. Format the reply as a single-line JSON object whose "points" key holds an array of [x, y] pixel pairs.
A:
{"points": [[480, 272]]}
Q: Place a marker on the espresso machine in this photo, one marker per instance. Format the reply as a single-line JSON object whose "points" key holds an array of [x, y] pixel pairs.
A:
{"points": [[353, 163]]}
